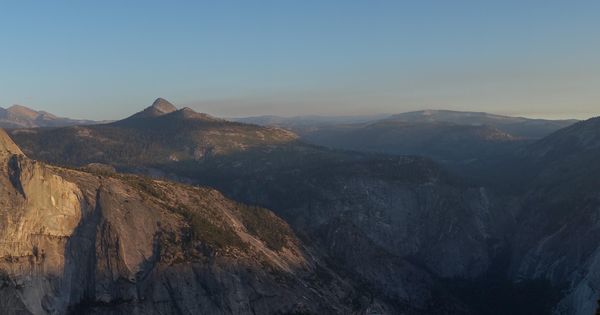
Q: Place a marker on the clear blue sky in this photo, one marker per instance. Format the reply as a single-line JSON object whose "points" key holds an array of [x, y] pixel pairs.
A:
{"points": [[107, 59]]}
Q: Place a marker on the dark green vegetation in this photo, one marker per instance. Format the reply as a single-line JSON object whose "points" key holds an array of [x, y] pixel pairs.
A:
{"points": [[204, 230], [262, 223], [205, 224]]}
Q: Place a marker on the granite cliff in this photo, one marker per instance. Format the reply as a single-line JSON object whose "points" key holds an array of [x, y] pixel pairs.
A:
{"points": [[81, 242]]}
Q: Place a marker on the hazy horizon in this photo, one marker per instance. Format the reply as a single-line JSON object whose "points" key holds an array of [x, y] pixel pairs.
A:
{"points": [[105, 61], [201, 108]]}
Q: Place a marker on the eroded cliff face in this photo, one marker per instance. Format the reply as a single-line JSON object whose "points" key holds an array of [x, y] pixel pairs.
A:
{"points": [[401, 226], [558, 227], [72, 241], [40, 211], [557, 240]]}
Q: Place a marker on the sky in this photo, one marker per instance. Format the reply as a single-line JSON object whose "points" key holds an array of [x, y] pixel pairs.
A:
{"points": [[108, 59]]}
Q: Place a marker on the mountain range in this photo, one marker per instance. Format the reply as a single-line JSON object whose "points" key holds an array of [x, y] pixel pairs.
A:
{"points": [[516, 126], [447, 136], [360, 231]]}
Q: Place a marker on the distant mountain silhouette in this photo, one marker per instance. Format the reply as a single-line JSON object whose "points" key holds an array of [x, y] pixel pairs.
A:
{"points": [[448, 136], [18, 116], [519, 127]]}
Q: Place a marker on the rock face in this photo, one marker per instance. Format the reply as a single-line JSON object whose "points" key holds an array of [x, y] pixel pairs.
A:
{"points": [[399, 224], [72, 241], [7, 146], [559, 225]]}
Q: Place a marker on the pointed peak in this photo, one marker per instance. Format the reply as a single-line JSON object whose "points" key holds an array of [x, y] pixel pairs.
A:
{"points": [[158, 108], [163, 106], [7, 145]]}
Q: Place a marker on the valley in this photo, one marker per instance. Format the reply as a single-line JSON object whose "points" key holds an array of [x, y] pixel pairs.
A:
{"points": [[409, 234]]}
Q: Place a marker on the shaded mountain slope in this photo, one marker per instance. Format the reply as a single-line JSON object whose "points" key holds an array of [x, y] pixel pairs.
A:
{"points": [[439, 140], [305, 124], [558, 230], [398, 224]]}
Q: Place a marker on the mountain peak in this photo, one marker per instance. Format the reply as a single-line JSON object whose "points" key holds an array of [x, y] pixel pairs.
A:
{"points": [[163, 106], [23, 111], [158, 108], [7, 145]]}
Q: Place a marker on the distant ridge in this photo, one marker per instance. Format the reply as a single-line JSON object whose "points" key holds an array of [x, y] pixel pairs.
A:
{"points": [[577, 139], [23, 111], [19, 116], [188, 113], [465, 117], [517, 127], [521, 127]]}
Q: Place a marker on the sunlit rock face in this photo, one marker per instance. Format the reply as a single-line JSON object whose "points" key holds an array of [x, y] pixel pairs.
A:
{"points": [[72, 241]]}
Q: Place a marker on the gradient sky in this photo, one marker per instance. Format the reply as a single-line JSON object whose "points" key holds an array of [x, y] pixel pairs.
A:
{"points": [[107, 59]]}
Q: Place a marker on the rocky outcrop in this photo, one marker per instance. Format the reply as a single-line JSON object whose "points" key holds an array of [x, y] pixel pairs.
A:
{"points": [[559, 224], [400, 225], [72, 241]]}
